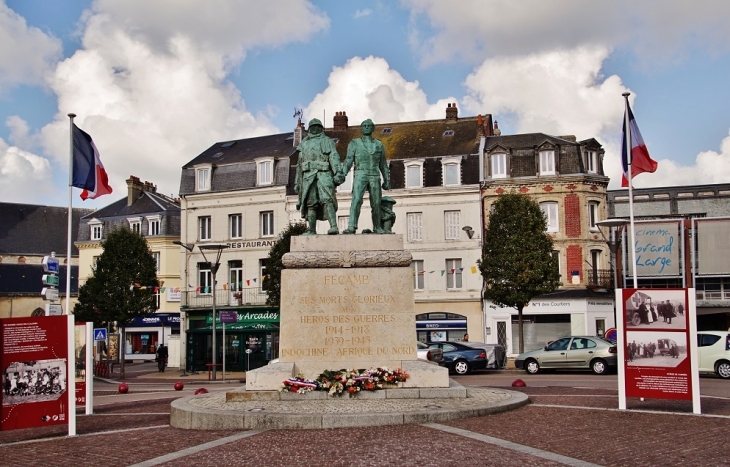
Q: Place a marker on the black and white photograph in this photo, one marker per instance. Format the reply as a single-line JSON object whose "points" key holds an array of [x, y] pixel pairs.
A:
{"points": [[34, 381], [656, 349], [656, 309]]}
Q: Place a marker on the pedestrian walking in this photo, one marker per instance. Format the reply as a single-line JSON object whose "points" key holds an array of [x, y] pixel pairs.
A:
{"points": [[161, 357]]}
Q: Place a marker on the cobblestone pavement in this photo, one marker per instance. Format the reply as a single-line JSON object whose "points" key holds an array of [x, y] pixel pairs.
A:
{"points": [[562, 426]]}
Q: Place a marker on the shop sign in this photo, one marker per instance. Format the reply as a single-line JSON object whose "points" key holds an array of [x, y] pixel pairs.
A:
{"points": [[249, 317], [657, 247]]}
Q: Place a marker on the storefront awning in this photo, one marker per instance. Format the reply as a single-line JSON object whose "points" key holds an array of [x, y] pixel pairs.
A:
{"points": [[240, 327]]}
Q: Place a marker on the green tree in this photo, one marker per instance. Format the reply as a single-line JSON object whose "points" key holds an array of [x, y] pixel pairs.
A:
{"points": [[122, 285], [272, 282], [517, 262]]}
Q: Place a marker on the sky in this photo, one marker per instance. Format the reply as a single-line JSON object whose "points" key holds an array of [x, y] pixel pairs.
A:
{"points": [[157, 83]]}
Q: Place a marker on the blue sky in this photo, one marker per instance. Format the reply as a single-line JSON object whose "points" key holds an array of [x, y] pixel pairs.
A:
{"points": [[156, 83]]}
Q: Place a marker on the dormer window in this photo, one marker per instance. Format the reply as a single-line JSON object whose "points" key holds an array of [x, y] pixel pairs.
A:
{"points": [[414, 174], [499, 165], [153, 225], [387, 131], [451, 171], [95, 229], [547, 162], [592, 161], [202, 177], [265, 171], [449, 133], [135, 224]]}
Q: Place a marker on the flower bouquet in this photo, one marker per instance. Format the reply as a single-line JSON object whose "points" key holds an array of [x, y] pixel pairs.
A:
{"points": [[338, 382]]}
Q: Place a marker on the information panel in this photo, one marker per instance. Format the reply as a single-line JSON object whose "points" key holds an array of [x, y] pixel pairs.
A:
{"points": [[35, 371]]}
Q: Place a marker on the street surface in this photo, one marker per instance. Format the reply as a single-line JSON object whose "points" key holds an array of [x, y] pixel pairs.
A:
{"points": [[572, 420]]}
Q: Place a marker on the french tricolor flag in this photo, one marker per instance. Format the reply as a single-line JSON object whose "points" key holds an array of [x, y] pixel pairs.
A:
{"points": [[88, 171], [639, 159]]}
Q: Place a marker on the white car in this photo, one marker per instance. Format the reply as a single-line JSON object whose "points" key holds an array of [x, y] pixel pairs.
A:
{"points": [[714, 352]]}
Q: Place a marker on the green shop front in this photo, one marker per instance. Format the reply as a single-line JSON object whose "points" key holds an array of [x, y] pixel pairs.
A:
{"points": [[250, 342]]}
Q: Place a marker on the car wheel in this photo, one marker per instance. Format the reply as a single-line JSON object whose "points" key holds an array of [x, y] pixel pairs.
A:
{"points": [[599, 367], [532, 367], [461, 367], [723, 369]]}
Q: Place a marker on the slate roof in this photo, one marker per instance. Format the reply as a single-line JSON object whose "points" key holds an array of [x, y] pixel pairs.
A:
{"points": [[527, 140], [29, 229], [18, 278], [147, 203]]}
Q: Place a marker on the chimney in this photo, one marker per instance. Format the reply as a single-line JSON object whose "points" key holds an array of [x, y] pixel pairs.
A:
{"points": [[452, 113], [134, 189], [298, 133], [497, 131], [148, 186], [569, 138], [480, 127], [340, 121]]}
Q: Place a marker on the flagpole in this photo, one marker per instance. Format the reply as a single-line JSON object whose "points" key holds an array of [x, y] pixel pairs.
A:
{"points": [[627, 145], [71, 377]]}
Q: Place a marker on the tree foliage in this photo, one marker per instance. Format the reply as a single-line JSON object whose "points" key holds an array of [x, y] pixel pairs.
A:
{"points": [[517, 262], [272, 282], [123, 281]]}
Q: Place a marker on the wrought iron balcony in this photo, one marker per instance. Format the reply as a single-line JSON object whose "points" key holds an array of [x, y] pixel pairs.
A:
{"points": [[600, 279], [223, 298]]}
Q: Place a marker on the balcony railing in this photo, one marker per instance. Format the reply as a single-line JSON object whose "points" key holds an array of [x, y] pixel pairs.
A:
{"points": [[223, 298], [600, 278]]}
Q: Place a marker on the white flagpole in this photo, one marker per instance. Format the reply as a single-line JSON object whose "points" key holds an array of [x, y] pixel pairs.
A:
{"points": [[71, 376], [627, 143]]}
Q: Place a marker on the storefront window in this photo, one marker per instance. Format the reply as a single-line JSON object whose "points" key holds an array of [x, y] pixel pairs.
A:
{"points": [[539, 330], [141, 342]]}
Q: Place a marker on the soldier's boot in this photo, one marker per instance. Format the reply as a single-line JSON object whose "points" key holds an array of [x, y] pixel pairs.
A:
{"points": [[332, 218], [311, 222]]}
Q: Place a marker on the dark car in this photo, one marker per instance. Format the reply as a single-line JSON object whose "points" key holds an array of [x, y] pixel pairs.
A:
{"points": [[463, 357]]}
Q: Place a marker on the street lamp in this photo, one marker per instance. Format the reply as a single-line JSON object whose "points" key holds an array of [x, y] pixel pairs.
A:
{"points": [[613, 244], [218, 248]]}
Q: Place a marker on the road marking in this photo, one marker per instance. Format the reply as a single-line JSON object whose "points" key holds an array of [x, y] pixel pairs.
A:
{"points": [[195, 449], [551, 456], [656, 412], [56, 438]]}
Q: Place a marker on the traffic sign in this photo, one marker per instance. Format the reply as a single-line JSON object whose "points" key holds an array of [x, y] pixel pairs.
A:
{"points": [[49, 293], [50, 264], [53, 309], [50, 279], [99, 334]]}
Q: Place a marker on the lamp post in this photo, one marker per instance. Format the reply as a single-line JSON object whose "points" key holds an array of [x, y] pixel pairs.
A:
{"points": [[218, 248], [183, 358], [613, 244]]}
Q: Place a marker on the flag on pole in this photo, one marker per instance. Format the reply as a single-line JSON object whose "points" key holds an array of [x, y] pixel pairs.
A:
{"points": [[638, 159], [88, 172]]}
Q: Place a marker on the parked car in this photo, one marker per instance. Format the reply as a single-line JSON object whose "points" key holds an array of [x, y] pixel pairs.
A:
{"points": [[575, 352], [713, 349], [431, 354], [463, 357]]}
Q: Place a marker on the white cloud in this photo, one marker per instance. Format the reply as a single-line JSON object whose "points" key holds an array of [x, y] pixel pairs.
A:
{"points": [[363, 13], [24, 177], [150, 81], [19, 132], [26, 53], [369, 88], [655, 29]]}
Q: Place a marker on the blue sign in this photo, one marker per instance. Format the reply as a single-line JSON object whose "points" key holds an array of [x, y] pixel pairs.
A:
{"points": [[99, 334], [50, 264]]}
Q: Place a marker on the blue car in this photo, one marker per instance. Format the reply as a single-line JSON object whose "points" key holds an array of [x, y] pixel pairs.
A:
{"points": [[463, 357]]}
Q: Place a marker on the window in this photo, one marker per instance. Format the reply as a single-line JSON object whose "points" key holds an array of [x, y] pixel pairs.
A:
{"points": [[414, 175], [499, 165], [153, 225], [593, 216], [547, 162], [135, 224], [343, 222], [204, 228], [156, 257], [451, 171], [596, 260], [452, 225], [592, 161], [235, 224], [453, 274], [556, 258], [267, 224], [95, 229], [202, 178], [415, 226], [550, 210], [419, 274], [205, 278], [235, 281], [264, 171], [262, 268]]}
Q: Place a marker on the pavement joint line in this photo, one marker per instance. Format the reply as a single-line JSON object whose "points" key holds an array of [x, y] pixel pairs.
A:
{"points": [[196, 449], [56, 438], [121, 414], [655, 412], [551, 456]]}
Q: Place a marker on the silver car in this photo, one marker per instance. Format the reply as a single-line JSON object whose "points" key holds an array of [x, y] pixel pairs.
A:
{"points": [[575, 352], [428, 353]]}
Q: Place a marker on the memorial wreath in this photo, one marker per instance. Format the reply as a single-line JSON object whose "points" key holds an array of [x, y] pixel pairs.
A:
{"points": [[338, 382]]}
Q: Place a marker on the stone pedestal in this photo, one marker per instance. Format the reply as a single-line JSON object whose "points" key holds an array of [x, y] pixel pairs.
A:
{"points": [[347, 302]]}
